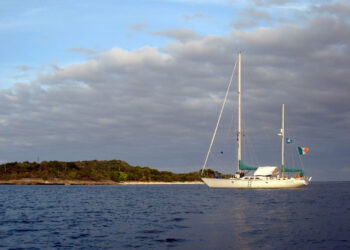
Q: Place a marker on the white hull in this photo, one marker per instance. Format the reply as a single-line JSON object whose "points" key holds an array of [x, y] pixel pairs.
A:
{"points": [[255, 183]]}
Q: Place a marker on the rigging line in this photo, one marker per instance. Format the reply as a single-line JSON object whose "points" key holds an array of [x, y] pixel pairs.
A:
{"points": [[290, 156], [228, 134], [294, 158], [251, 153], [301, 162], [250, 149], [249, 146], [230, 129], [217, 124]]}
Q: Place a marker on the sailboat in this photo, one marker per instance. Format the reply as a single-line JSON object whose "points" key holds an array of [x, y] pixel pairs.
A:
{"points": [[264, 176]]}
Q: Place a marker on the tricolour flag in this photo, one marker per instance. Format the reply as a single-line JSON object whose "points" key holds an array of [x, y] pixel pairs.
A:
{"points": [[289, 140], [303, 150]]}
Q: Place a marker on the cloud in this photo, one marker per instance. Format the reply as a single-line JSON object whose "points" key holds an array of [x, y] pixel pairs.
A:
{"points": [[182, 34], [347, 170], [138, 26], [255, 14], [337, 8], [24, 67], [82, 50], [243, 23], [273, 2], [158, 106], [254, 17], [194, 16]]}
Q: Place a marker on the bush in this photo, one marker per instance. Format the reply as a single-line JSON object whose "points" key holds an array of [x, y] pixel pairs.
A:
{"points": [[114, 176], [123, 176]]}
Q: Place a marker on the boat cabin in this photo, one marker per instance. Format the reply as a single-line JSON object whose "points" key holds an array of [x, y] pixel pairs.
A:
{"points": [[267, 171]]}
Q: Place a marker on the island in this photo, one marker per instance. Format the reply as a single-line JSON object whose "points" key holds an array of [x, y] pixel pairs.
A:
{"points": [[94, 172]]}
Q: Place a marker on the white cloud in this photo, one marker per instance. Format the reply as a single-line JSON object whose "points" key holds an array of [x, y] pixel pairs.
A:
{"points": [[194, 16], [152, 105]]}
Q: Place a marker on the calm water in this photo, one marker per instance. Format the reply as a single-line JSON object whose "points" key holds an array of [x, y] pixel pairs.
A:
{"points": [[175, 216]]}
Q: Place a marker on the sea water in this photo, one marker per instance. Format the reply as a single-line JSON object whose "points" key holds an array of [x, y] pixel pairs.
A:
{"points": [[175, 216]]}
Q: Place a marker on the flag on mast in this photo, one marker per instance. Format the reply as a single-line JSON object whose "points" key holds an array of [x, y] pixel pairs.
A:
{"points": [[303, 150]]}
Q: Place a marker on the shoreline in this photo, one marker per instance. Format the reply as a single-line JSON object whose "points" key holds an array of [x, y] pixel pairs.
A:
{"points": [[161, 183], [38, 181]]}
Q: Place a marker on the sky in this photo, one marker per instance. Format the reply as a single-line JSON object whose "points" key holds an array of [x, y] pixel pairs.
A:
{"points": [[144, 81]]}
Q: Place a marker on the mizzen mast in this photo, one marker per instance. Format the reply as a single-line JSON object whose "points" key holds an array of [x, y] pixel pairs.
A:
{"points": [[282, 135], [239, 135]]}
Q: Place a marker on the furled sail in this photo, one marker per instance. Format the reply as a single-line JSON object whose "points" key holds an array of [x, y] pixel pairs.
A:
{"points": [[294, 170], [242, 166]]}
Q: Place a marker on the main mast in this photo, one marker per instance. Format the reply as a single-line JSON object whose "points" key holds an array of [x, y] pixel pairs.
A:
{"points": [[282, 135], [239, 136]]}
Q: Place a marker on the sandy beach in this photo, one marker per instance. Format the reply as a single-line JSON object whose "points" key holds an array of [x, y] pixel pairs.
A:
{"points": [[159, 182], [38, 181]]}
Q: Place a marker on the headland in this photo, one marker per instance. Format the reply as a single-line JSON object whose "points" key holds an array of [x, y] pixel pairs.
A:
{"points": [[113, 172]]}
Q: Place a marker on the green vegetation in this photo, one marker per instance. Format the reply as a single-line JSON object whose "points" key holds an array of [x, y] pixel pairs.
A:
{"points": [[114, 170], [214, 174]]}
